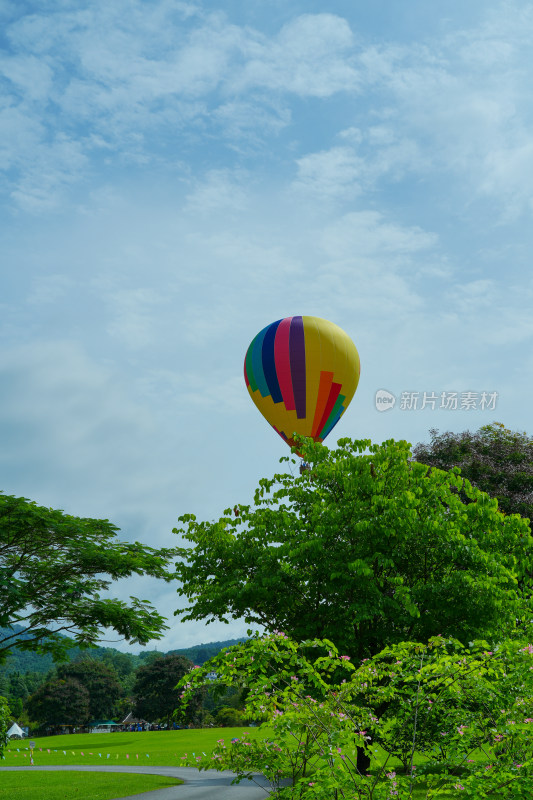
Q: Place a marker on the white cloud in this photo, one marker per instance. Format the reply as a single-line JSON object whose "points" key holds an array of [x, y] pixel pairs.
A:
{"points": [[367, 233], [471, 296], [133, 312], [49, 289], [124, 76], [49, 169], [244, 124], [311, 56], [31, 77], [463, 104], [130, 76], [331, 174], [219, 191]]}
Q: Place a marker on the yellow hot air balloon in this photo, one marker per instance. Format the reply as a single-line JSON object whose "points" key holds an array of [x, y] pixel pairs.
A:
{"points": [[301, 373]]}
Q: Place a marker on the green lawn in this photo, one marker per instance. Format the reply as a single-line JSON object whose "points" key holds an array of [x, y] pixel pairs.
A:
{"points": [[155, 748], [158, 748], [71, 785]]}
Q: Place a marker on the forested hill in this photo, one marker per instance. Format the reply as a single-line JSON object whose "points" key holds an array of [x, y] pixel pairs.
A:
{"points": [[26, 661], [201, 653]]}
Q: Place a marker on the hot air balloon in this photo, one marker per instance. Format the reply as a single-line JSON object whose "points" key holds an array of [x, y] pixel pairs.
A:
{"points": [[301, 373]]}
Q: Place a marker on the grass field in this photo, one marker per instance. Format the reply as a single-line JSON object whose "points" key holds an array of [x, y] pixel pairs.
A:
{"points": [[156, 748], [72, 785]]}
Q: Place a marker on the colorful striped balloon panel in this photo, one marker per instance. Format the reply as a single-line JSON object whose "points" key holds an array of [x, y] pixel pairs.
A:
{"points": [[301, 373]]}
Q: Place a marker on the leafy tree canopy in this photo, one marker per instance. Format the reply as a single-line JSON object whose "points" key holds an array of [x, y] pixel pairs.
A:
{"points": [[366, 548], [156, 696], [4, 723], [464, 712], [53, 568], [495, 459], [100, 680], [60, 702]]}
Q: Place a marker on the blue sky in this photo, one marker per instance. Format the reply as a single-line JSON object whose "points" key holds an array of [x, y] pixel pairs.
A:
{"points": [[177, 175]]}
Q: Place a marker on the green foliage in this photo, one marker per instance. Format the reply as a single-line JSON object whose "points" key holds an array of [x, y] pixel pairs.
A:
{"points": [[323, 708], [76, 693], [100, 681], [201, 653], [53, 568], [15, 707], [18, 684], [228, 717], [23, 660], [60, 702], [495, 459], [4, 723], [155, 693], [367, 548], [30, 661]]}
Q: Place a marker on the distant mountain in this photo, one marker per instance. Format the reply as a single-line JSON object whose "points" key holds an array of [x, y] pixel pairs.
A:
{"points": [[201, 653], [27, 661]]}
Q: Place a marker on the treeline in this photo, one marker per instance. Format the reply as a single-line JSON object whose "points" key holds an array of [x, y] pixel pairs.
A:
{"points": [[103, 682], [23, 661]]}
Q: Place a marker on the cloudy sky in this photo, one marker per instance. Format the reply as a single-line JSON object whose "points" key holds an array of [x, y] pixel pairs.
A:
{"points": [[177, 175]]}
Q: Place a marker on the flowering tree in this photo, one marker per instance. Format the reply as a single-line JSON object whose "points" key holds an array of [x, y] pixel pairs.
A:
{"points": [[367, 548], [495, 459], [322, 707]]}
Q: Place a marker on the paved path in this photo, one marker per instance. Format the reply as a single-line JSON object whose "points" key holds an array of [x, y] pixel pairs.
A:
{"points": [[209, 785]]}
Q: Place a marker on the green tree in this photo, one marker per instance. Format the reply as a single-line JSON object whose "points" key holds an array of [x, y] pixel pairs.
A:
{"points": [[495, 459], [60, 702], [53, 568], [17, 686], [4, 723], [228, 717], [366, 548], [122, 663], [100, 681], [16, 707], [465, 711], [155, 693]]}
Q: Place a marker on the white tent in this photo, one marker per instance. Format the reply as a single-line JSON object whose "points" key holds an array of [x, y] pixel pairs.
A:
{"points": [[15, 730]]}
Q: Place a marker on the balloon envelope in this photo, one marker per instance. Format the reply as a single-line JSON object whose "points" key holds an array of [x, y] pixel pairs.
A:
{"points": [[301, 373]]}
